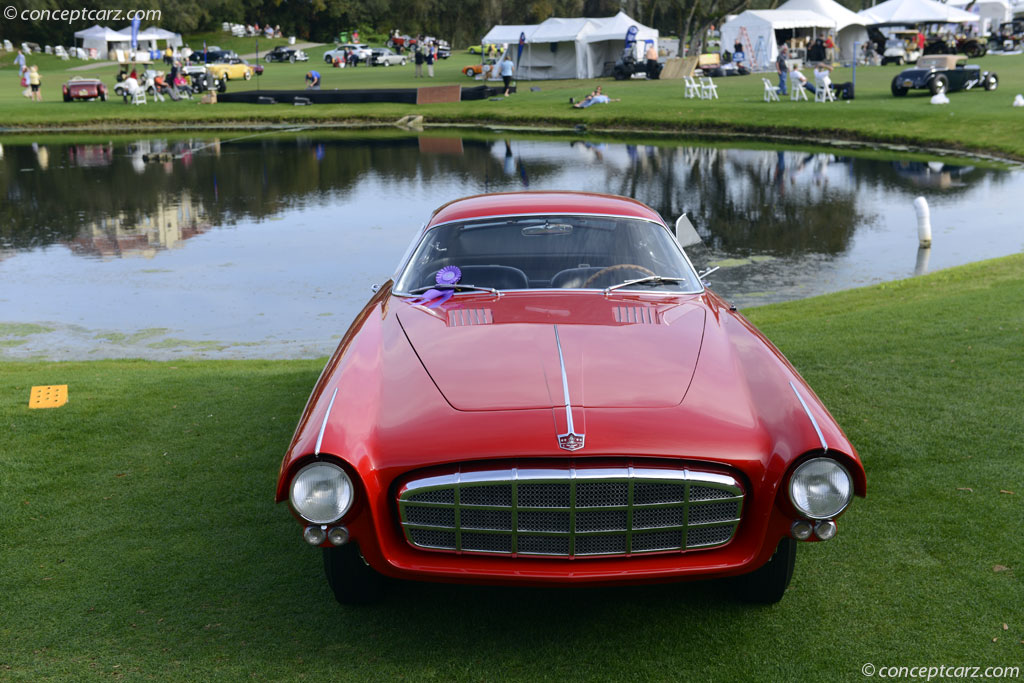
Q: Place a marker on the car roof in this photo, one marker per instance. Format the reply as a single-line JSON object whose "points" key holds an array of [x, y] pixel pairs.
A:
{"points": [[541, 202]]}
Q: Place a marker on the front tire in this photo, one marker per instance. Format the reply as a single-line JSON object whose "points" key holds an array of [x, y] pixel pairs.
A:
{"points": [[267, 59], [767, 585], [292, 59], [992, 82], [352, 580], [938, 84], [248, 75], [897, 89]]}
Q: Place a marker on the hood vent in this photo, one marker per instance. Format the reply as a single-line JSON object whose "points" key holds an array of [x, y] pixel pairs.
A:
{"points": [[464, 317], [635, 315]]}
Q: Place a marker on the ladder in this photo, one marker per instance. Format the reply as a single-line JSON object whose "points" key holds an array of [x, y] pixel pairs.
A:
{"points": [[748, 48]]}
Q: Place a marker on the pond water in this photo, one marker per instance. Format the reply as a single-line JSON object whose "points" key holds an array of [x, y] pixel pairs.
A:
{"points": [[261, 246]]}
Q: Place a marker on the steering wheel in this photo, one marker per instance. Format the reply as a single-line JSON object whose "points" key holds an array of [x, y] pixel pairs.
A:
{"points": [[612, 269]]}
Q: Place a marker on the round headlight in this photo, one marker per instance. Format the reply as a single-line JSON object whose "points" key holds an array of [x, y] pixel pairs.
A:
{"points": [[820, 488], [321, 493]]}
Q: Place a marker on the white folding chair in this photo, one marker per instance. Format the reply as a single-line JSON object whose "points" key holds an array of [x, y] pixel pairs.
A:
{"points": [[770, 93], [797, 91], [823, 93], [692, 88], [708, 89], [139, 95]]}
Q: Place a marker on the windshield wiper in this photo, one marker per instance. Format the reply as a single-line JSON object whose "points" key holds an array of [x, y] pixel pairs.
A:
{"points": [[650, 279], [456, 287]]}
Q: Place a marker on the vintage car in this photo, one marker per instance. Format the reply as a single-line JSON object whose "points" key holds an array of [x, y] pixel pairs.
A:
{"points": [[943, 73], [79, 88], [235, 69], [488, 67], [283, 53], [361, 51], [212, 55], [546, 393], [382, 56]]}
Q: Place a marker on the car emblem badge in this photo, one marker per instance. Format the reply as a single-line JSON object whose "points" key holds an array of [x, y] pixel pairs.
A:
{"points": [[570, 441]]}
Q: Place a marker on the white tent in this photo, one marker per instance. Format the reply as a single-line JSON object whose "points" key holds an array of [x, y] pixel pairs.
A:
{"points": [[99, 38], [501, 35], [759, 27], [996, 11], [910, 12], [173, 39], [850, 27], [569, 47]]}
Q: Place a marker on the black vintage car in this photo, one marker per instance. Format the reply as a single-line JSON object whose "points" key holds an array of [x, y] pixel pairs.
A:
{"points": [[943, 73], [283, 53]]}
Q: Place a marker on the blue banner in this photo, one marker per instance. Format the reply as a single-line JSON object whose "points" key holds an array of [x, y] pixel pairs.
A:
{"points": [[631, 37], [135, 32], [522, 41]]}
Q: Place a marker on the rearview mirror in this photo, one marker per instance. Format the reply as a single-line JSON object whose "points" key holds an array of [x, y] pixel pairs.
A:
{"points": [[686, 234]]}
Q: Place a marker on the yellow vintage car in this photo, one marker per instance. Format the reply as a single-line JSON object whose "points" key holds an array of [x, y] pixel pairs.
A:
{"points": [[234, 69]]}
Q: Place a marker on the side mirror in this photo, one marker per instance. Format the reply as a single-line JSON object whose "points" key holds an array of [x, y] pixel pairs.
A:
{"points": [[686, 234]]}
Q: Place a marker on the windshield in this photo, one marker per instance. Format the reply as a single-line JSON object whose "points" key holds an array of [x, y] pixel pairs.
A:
{"points": [[541, 252]]}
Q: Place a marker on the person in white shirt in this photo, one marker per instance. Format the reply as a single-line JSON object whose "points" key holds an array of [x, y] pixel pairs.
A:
{"points": [[822, 75]]}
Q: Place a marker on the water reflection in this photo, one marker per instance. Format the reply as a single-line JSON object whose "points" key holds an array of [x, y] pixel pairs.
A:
{"points": [[281, 237]]}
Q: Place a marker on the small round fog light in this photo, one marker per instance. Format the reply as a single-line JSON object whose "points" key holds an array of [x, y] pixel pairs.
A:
{"points": [[825, 530], [314, 535], [338, 535], [801, 530]]}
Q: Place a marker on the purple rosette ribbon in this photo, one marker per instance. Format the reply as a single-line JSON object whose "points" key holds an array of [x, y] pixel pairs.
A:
{"points": [[446, 280]]}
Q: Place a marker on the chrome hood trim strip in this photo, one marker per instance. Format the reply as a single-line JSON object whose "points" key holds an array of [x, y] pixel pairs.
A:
{"points": [[821, 437], [570, 441], [323, 427]]}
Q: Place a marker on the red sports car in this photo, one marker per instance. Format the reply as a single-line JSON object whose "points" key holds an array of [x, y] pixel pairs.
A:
{"points": [[79, 88], [547, 393]]}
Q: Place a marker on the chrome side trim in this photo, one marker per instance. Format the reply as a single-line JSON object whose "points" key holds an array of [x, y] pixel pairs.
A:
{"points": [[323, 427], [821, 437], [570, 441]]}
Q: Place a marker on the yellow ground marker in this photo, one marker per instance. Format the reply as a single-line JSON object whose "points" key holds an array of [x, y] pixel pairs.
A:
{"points": [[53, 396]]}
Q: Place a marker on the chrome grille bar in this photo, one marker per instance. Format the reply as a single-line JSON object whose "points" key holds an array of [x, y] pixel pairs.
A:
{"points": [[571, 511]]}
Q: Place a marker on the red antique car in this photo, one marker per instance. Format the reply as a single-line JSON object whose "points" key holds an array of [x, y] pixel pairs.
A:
{"points": [[547, 393], [79, 88]]}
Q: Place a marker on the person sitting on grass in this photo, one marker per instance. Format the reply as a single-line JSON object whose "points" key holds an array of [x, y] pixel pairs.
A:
{"points": [[596, 97]]}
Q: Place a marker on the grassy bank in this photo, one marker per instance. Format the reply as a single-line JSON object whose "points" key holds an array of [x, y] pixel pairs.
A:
{"points": [[976, 120], [140, 538]]}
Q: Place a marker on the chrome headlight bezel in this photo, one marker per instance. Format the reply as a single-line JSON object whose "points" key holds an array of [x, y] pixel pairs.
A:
{"points": [[800, 476], [337, 497]]}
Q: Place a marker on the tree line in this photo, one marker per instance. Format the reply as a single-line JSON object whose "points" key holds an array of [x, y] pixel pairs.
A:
{"points": [[463, 22]]}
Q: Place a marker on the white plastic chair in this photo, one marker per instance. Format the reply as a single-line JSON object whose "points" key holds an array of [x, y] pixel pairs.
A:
{"points": [[770, 94], [823, 93], [692, 88], [8, 46], [797, 91], [708, 89]]}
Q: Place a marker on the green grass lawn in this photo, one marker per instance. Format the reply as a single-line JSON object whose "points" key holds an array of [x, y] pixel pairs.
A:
{"points": [[140, 538], [975, 120]]}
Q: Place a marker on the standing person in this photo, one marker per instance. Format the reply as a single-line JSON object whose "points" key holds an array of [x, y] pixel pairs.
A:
{"points": [[418, 59], [34, 82], [782, 67], [651, 56], [19, 62], [507, 68], [830, 49], [429, 58]]}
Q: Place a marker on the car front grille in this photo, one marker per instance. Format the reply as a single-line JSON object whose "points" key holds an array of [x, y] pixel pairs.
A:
{"points": [[570, 511]]}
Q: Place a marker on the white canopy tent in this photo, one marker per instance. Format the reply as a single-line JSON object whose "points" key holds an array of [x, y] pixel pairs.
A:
{"points": [[173, 39], [910, 12], [569, 47], [996, 11], [850, 29], [101, 39], [760, 27]]}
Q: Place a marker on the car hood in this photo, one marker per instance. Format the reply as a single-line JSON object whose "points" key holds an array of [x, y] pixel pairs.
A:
{"points": [[606, 352]]}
